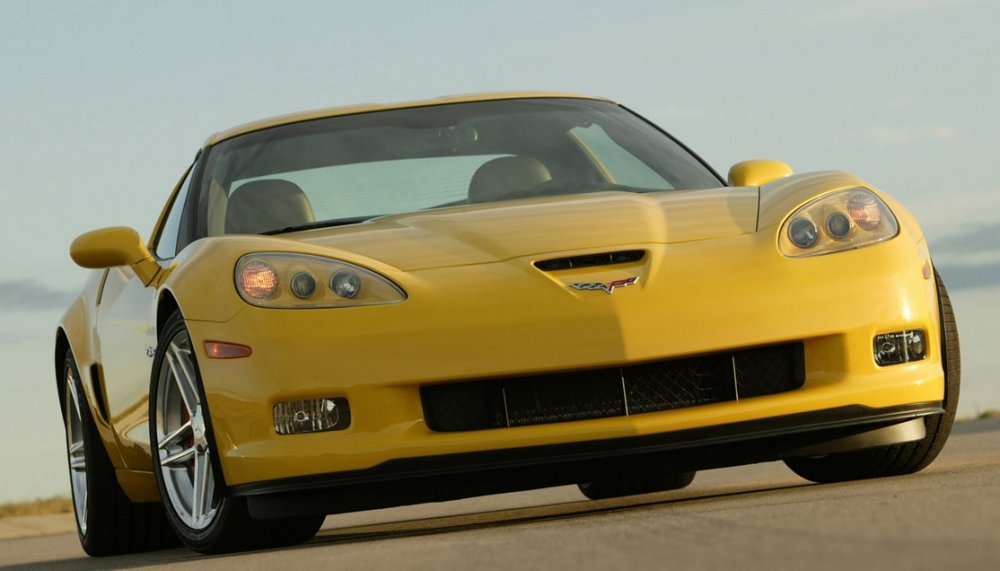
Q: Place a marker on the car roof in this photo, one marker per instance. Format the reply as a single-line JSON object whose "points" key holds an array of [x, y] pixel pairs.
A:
{"points": [[370, 107]]}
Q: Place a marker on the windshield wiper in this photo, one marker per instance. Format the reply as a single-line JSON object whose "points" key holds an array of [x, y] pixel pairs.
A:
{"points": [[318, 224]]}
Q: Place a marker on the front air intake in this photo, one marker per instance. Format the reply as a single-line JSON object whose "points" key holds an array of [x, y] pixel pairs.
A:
{"points": [[617, 391]]}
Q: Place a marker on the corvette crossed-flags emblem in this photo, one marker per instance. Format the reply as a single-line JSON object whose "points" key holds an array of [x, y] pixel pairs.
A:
{"points": [[607, 288]]}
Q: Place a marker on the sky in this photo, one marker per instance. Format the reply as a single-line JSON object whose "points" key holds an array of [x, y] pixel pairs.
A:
{"points": [[103, 105]]}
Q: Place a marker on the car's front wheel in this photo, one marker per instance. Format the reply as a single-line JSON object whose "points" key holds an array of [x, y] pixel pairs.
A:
{"points": [[899, 459], [184, 463]]}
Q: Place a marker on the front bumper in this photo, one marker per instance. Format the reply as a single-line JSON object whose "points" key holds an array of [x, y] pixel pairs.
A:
{"points": [[443, 478], [509, 318]]}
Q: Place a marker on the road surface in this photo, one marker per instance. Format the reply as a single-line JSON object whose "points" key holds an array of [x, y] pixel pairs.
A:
{"points": [[756, 517]]}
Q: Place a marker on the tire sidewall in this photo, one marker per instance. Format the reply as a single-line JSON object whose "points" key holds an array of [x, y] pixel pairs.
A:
{"points": [[69, 365]]}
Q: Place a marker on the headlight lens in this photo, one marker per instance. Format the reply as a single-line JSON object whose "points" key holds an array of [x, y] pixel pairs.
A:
{"points": [[283, 280], [258, 280], [346, 284], [802, 232], [844, 220]]}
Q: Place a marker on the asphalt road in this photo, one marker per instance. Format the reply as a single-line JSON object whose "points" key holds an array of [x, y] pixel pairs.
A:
{"points": [[756, 517]]}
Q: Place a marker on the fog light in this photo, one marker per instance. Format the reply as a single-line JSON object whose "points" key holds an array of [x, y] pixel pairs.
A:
{"points": [[312, 415], [915, 345], [900, 347]]}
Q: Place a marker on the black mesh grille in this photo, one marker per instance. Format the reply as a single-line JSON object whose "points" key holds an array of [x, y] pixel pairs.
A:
{"points": [[680, 383], [765, 371], [562, 397], [590, 260], [619, 391]]}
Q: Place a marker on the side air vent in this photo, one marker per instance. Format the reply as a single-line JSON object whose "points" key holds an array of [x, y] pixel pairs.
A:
{"points": [[98, 390], [589, 260]]}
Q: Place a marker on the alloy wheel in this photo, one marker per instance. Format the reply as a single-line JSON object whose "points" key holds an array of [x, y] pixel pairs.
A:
{"points": [[182, 442], [75, 446]]}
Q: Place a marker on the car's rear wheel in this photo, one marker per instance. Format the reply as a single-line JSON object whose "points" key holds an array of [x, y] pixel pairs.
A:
{"points": [[107, 522], [899, 459], [635, 484], [184, 463]]}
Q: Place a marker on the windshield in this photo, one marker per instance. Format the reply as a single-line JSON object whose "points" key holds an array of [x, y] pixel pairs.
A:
{"points": [[350, 168]]}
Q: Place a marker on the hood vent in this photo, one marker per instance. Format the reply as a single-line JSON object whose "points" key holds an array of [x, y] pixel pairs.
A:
{"points": [[590, 260]]}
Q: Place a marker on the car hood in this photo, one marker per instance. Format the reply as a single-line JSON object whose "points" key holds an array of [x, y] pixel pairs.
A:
{"points": [[499, 231]]}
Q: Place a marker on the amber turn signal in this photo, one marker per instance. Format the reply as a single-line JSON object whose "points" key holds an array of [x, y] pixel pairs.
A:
{"points": [[865, 211], [223, 350], [257, 279]]}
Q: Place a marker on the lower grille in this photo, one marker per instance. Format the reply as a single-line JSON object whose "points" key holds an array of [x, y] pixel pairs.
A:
{"points": [[617, 391]]}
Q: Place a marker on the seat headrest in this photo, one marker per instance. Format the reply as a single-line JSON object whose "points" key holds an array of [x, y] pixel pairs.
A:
{"points": [[506, 177], [264, 205]]}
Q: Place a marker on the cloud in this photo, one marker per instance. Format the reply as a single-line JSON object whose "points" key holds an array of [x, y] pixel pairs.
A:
{"points": [[948, 209], [970, 258], [959, 277], [31, 295], [977, 238], [895, 136]]}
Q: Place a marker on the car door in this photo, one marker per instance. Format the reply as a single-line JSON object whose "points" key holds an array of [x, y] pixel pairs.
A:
{"points": [[126, 332]]}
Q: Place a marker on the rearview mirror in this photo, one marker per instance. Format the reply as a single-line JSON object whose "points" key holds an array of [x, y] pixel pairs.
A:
{"points": [[757, 172], [115, 246]]}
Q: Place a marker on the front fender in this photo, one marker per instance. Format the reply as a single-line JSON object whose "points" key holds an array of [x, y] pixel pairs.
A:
{"points": [[76, 327]]}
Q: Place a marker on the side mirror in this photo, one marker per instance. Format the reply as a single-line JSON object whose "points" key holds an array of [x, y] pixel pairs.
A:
{"points": [[758, 172], [115, 246]]}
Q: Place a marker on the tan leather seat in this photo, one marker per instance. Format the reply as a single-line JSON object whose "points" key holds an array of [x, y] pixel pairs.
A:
{"points": [[264, 205], [507, 177]]}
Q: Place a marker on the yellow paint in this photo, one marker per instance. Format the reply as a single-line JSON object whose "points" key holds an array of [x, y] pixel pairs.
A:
{"points": [[115, 246], [683, 305], [712, 280], [757, 172]]}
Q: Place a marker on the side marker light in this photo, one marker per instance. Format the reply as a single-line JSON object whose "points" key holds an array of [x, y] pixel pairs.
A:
{"points": [[223, 350]]}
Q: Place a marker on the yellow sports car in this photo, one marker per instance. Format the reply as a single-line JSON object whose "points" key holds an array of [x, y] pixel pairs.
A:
{"points": [[380, 305]]}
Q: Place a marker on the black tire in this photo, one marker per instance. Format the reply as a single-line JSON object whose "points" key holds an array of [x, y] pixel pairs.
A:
{"points": [[635, 484], [225, 525], [108, 523], [899, 459]]}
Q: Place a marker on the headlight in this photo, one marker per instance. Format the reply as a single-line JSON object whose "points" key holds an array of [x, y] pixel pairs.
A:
{"points": [[275, 279], [844, 220]]}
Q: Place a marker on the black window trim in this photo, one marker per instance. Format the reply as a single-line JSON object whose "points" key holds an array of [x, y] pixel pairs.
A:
{"points": [[185, 227]]}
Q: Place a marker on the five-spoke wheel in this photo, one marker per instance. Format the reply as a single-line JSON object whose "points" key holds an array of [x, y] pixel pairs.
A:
{"points": [[75, 402], [204, 517], [183, 448]]}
